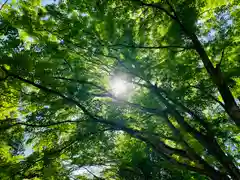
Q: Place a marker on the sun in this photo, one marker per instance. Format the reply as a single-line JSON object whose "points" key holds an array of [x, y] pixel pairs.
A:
{"points": [[119, 86]]}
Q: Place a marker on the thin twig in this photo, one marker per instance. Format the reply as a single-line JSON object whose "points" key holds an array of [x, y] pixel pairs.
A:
{"points": [[3, 5], [92, 173]]}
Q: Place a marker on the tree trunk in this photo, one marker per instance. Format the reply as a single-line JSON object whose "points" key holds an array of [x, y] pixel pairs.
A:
{"points": [[216, 75]]}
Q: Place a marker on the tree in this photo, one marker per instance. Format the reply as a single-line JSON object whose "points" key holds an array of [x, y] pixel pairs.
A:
{"points": [[135, 160], [178, 63]]}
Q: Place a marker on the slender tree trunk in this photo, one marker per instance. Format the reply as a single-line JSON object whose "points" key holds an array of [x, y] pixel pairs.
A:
{"points": [[217, 76]]}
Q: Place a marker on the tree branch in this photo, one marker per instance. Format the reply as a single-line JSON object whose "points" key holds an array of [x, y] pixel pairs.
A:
{"points": [[196, 134], [93, 174], [211, 96], [3, 4], [93, 118], [214, 175], [69, 65], [44, 125], [151, 47], [158, 6], [80, 82], [189, 149], [221, 57], [97, 119], [201, 121], [116, 126], [75, 140]]}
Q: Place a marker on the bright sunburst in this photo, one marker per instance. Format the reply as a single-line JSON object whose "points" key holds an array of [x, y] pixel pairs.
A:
{"points": [[119, 86]]}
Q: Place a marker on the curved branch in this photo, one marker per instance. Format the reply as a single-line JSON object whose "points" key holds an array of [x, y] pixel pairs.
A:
{"points": [[158, 6]]}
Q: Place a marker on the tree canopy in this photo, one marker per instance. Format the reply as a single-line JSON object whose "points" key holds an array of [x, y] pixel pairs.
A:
{"points": [[120, 89]]}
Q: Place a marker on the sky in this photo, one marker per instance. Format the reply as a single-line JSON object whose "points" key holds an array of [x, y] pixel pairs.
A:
{"points": [[45, 2]]}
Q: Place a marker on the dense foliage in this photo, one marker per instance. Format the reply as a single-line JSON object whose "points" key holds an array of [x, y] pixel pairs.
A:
{"points": [[120, 89]]}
